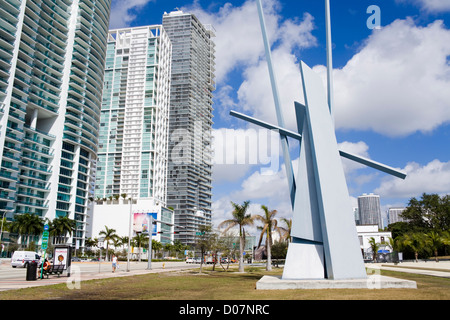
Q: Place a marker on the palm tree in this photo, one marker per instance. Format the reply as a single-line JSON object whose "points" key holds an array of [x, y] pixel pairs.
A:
{"points": [[89, 242], [285, 232], [140, 240], [125, 242], [203, 242], [414, 241], [269, 225], [27, 224], [241, 219], [62, 226], [434, 241], [110, 234], [374, 246], [117, 242], [156, 246]]}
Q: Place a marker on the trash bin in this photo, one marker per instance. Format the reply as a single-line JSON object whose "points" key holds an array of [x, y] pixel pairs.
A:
{"points": [[31, 271]]}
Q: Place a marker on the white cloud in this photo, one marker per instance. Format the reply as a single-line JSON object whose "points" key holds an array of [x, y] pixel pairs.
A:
{"points": [[255, 93], [359, 148], [236, 31], [272, 190], [398, 83], [239, 45], [430, 5], [122, 12], [434, 177]]}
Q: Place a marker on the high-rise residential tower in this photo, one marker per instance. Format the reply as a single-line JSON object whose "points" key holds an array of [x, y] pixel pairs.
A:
{"points": [[133, 143], [189, 190], [135, 115], [369, 209], [52, 56], [395, 215]]}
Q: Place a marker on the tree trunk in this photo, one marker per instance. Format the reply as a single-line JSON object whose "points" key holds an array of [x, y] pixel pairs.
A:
{"points": [[241, 251], [201, 261], [269, 256]]}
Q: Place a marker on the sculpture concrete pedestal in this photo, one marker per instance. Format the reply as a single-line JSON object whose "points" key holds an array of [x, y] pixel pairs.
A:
{"points": [[372, 282]]}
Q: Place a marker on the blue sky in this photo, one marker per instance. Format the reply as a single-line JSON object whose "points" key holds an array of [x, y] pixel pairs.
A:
{"points": [[391, 86]]}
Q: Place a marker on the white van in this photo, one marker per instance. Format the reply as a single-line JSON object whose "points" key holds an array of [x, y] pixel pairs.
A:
{"points": [[23, 258]]}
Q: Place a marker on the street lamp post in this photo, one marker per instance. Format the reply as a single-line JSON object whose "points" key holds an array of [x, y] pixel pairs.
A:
{"points": [[129, 235], [150, 235]]}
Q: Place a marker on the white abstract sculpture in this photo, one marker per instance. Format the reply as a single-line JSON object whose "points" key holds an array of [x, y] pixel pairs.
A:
{"points": [[325, 242]]}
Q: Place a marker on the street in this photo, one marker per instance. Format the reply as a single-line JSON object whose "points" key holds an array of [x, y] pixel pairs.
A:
{"points": [[15, 278]]}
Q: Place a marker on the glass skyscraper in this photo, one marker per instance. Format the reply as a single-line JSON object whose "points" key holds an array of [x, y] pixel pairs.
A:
{"points": [[189, 190], [135, 115], [52, 57]]}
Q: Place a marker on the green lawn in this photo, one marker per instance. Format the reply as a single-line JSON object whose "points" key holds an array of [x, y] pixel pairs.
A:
{"points": [[221, 285]]}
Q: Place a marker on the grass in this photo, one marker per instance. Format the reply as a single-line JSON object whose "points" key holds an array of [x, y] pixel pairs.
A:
{"points": [[221, 285]]}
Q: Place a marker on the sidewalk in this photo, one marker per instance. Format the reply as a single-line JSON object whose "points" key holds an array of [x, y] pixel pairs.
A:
{"points": [[430, 268], [89, 271]]}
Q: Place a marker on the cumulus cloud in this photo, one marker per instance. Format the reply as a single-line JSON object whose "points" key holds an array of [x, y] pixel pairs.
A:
{"points": [[255, 93], [239, 46], [397, 84], [235, 40], [123, 12], [433, 177], [359, 148], [433, 6], [272, 189]]}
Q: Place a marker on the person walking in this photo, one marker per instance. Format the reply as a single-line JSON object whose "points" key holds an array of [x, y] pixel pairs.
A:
{"points": [[114, 263]]}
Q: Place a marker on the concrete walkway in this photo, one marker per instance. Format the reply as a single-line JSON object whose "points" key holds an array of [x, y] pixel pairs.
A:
{"points": [[11, 279], [374, 280], [429, 268]]}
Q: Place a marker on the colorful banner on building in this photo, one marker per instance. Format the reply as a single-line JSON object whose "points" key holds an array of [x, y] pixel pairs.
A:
{"points": [[141, 222]]}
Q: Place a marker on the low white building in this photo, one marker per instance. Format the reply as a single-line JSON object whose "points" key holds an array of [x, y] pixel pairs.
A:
{"points": [[129, 218], [365, 232]]}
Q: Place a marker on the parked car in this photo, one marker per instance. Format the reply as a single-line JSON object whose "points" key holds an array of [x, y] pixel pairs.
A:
{"points": [[197, 260], [189, 260], [23, 258]]}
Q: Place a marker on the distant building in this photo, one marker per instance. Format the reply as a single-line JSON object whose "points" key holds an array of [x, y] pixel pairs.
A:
{"points": [[356, 215], [394, 215], [189, 188], [118, 214], [369, 210], [133, 143], [132, 155], [366, 232]]}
